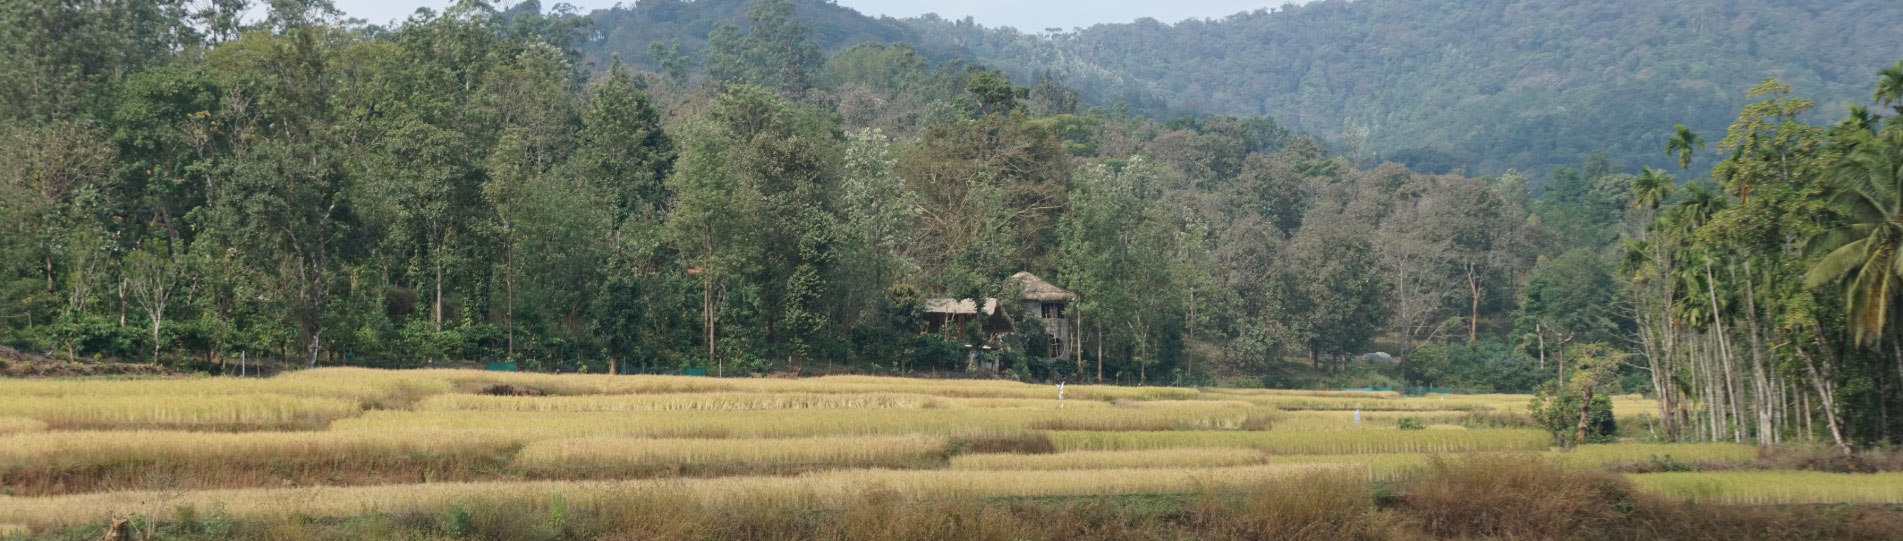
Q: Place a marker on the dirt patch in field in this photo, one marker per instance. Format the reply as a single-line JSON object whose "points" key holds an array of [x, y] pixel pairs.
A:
{"points": [[18, 364]]}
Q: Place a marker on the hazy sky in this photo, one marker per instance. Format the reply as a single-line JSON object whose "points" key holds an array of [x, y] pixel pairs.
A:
{"points": [[1028, 15]]}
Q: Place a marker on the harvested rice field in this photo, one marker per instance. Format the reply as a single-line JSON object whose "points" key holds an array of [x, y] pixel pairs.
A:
{"points": [[431, 454]]}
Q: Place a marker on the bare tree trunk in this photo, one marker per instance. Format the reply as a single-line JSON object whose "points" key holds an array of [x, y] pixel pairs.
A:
{"points": [[707, 321], [317, 345], [1724, 351], [1473, 320], [1077, 343], [1585, 413], [1826, 395], [436, 306], [1760, 380]]}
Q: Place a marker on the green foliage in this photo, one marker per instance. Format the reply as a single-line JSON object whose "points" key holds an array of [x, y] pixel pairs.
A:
{"points": [[1558, 413], [1487, 366]]}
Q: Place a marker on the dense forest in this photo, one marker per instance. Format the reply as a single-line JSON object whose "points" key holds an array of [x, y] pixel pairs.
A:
{"points": [[183, 187], [1441, 85]]}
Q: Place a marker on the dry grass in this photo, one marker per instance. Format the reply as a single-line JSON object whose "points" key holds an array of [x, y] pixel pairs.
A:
{"points": [[721, 401], [1022, 403], [1507, 496], [801, 492], [1370, 420], [576, 384], [18, 425], [1641, 456], [1302, 392], [1099, 460], [367, 386], [1774, 487], [1384, 466], [586, 458], [791, 423], [189, 412], [1364, 441], [71, 462]]}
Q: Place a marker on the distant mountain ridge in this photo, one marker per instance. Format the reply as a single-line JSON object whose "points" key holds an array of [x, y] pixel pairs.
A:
{"points": [[1488, 84]]}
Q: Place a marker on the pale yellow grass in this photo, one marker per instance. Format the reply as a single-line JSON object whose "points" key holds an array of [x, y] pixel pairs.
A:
{"points": [[831, 486], [577, 457], [17, 425], [1301, 392], [786, 423], [1023, 403], [1623, 406], [605, 384], [716, 401], [1311, 420], [204, 412], [212, 450], [1433, 403], [1617, 454], [359, 384], [1775, 487], [1378, 465], [1311, 442], [1098, 460]]}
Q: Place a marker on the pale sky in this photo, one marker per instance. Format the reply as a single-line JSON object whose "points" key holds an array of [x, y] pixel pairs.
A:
{"points": [[1026, 15]]}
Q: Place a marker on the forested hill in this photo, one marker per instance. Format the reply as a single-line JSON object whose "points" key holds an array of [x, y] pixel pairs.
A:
{"points": [[1490, 84]]}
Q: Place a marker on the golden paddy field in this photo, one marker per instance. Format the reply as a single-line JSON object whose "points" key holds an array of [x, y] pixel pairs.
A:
{"points": [[342, 442]]}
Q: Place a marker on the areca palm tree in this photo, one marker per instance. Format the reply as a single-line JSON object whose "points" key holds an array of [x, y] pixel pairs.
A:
{"points": [[1866, 256], [1860, 119], [1683, 142], [1691, 212], [1651, 188], [1890, 87]]}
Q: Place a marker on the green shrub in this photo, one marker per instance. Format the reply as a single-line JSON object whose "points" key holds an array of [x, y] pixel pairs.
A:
{"points": [[1559, 415]]}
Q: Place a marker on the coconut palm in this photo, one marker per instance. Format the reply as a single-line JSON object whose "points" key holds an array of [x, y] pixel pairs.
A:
{"points": [[1890, 87], [1867, 255], [1651, 188], [1683, 142]]}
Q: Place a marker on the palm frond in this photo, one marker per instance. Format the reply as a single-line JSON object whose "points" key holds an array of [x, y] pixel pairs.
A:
{"points": [[1839, 262]]}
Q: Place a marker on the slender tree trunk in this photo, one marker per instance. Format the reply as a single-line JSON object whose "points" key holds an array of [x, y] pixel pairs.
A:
{"points": [[1826, 392], [707, 321], [1473, 319], [317, 345], [1077, 343], [436, 307], [1760, 380], [1724, 350], [1585, 414]]}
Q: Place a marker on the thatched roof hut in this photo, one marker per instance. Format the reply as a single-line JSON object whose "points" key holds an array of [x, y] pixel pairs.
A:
{"points": [[964, 307], [1036, 289]]}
